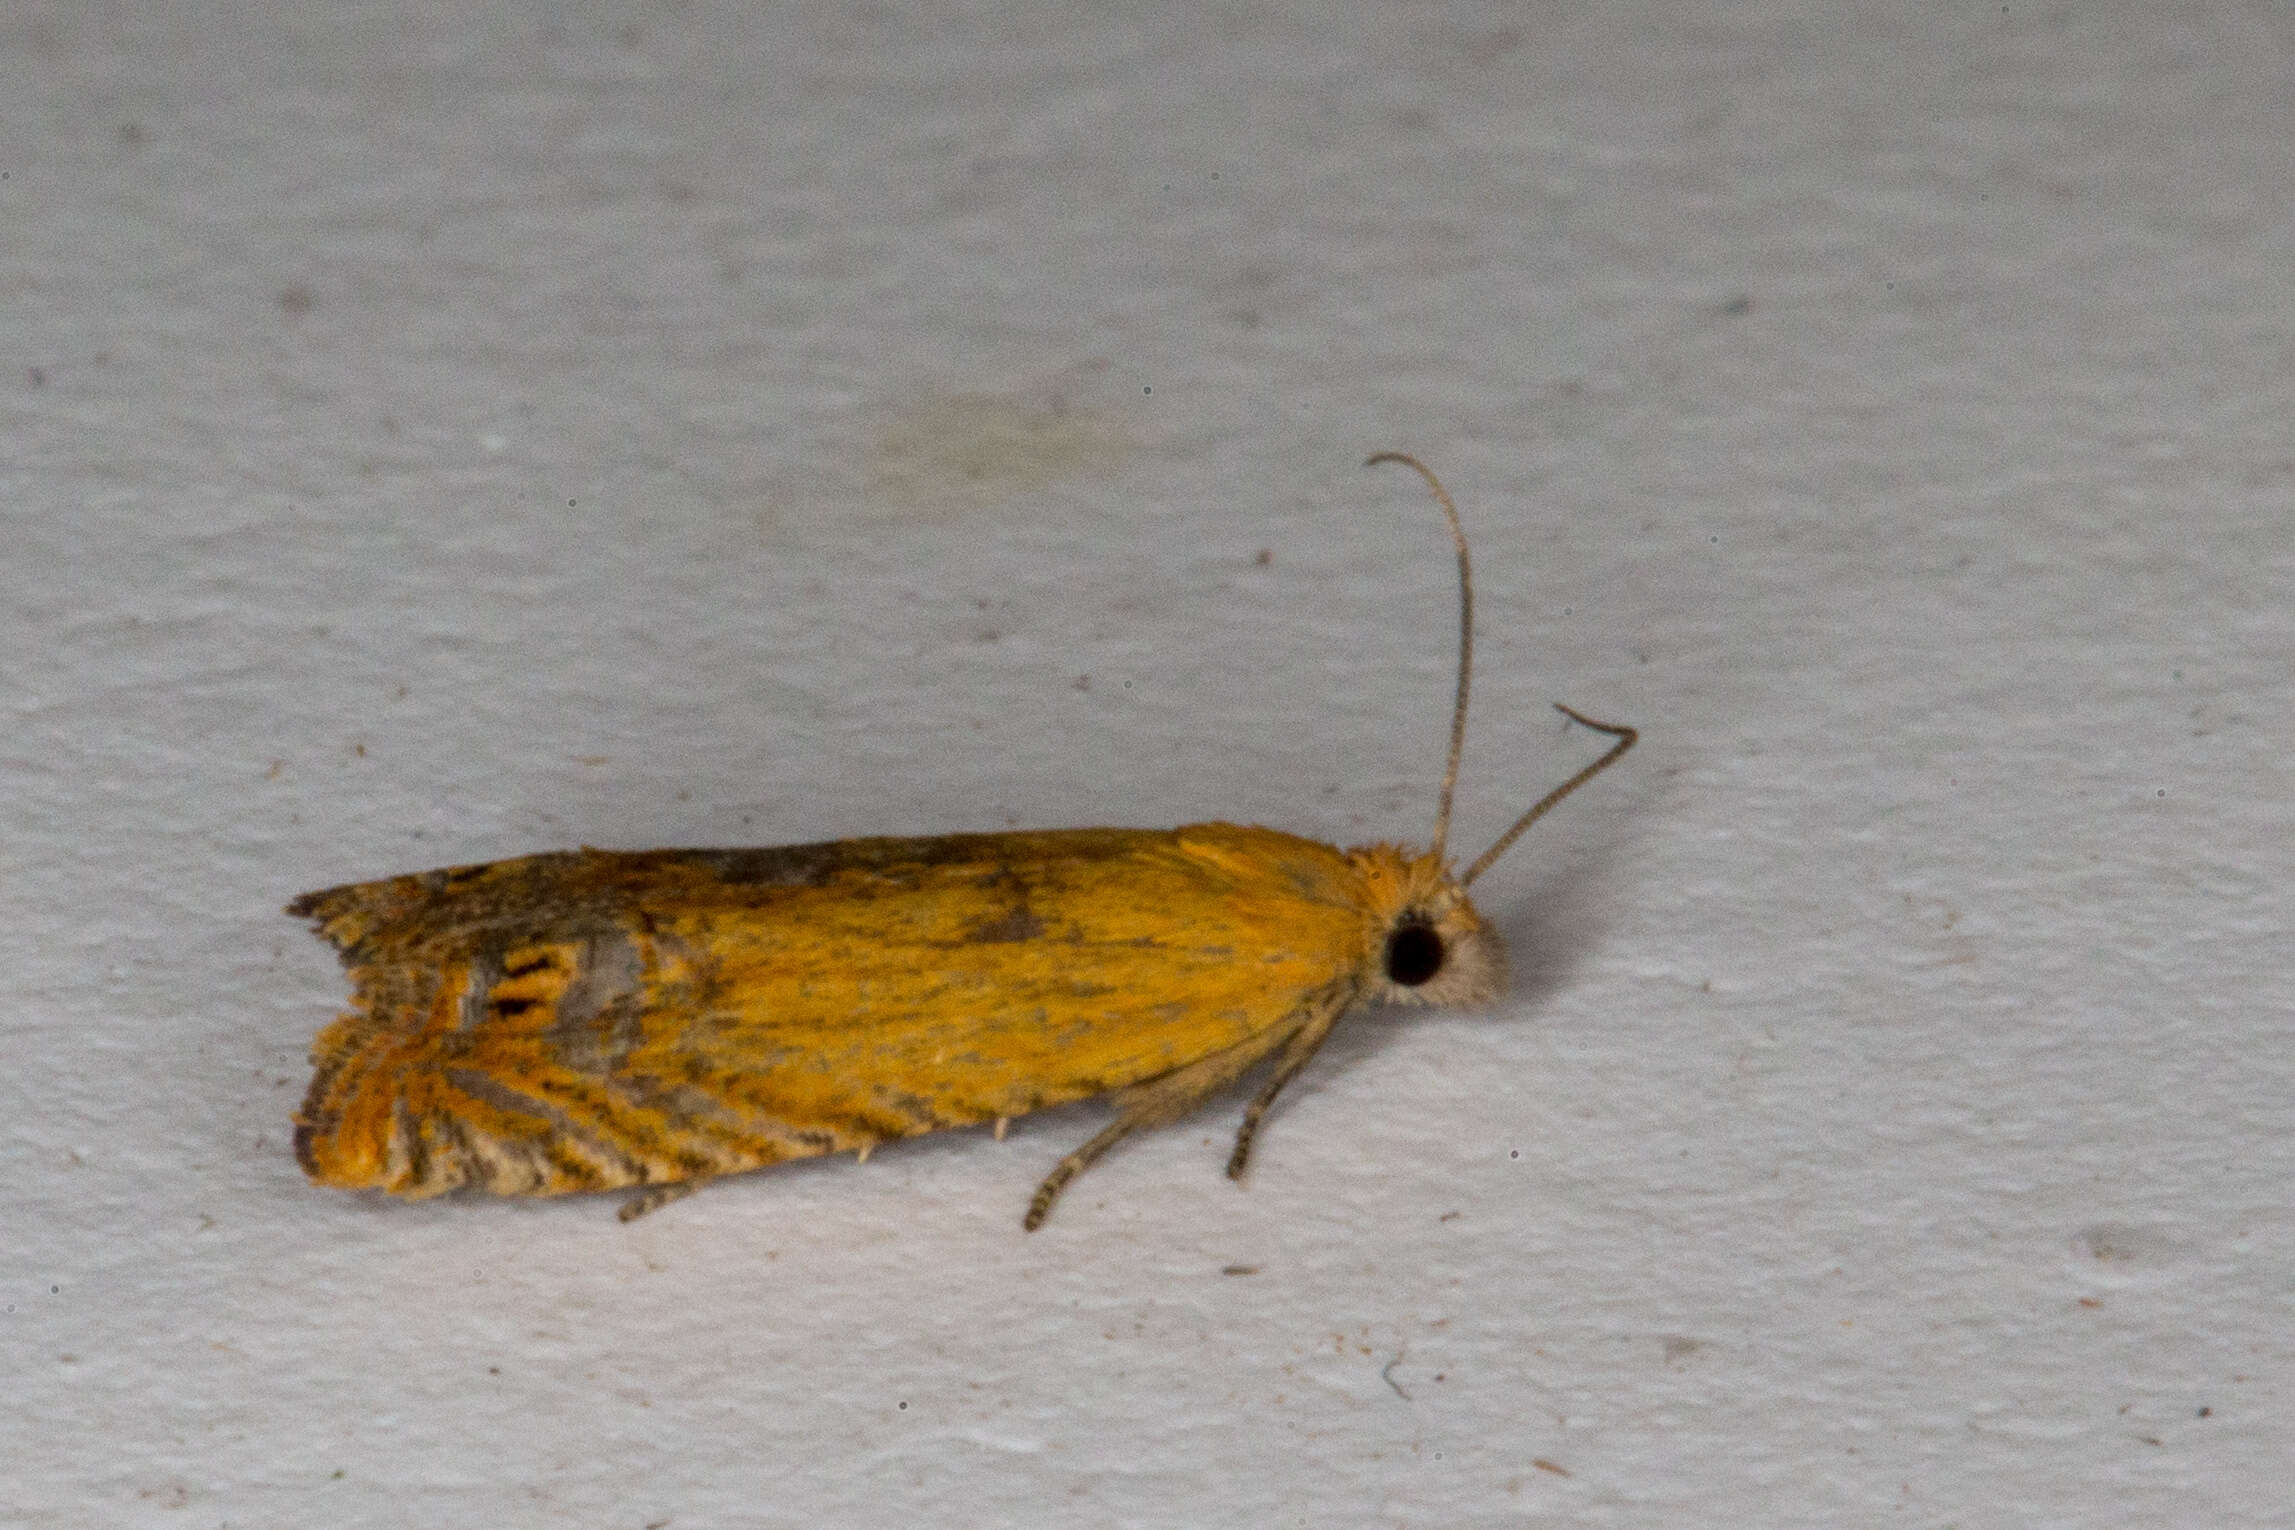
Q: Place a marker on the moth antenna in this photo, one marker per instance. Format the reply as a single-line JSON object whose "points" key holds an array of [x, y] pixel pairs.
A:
{"points": [[1465, 653], [1625, 737]]}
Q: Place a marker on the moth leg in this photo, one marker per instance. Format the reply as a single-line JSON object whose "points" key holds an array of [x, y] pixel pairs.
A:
{"points": [[1157, 1102], [654, 1197], [1040, 1204], [1303, 1044]]}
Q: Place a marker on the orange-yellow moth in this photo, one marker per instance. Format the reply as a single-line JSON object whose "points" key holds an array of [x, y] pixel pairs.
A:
{"points": [[593, 1019]]}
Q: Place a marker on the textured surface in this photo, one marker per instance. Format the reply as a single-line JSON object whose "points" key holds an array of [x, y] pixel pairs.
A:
{"points": [[442, 433]]}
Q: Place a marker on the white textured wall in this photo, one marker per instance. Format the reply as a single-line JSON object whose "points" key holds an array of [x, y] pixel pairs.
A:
{"points": [[431, 433]]}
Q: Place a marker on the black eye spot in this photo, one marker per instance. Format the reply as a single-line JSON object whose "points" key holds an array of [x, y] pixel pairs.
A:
{"points": [[1415, 953]]}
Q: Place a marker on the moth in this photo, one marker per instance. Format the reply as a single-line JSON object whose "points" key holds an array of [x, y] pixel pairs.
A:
{"points": [[595, 1020]]}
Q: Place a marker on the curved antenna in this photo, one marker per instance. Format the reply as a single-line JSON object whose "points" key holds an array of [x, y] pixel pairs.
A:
{"points": [[1625, 737], [1465, 662]]}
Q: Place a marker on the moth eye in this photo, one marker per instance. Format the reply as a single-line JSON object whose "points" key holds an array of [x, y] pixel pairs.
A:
{"points": [[1414, 954]]}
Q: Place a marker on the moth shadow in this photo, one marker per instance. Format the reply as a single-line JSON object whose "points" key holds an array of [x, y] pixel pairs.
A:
{"points": [[1554, 927]]}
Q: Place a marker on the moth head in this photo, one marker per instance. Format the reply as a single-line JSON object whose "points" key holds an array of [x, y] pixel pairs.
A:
{"points": [[1428, 944]]}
